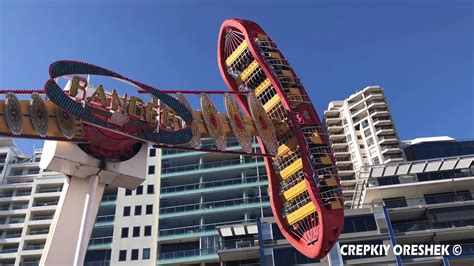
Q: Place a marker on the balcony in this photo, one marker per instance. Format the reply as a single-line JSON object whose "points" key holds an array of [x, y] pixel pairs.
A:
{"points": [[432, 225], [384, 130], [335, 137], [100, 243], [97, 263], [174, 234], [168, 154], [211, 167], [387, 149], [374, 96], [105, 220], [382, 121], [378, 112], [429, 200], [389, 139], [8, 250], [214, 207], [108, 200], [188, 256], [221, 185], [345, 171], [337, 144]]}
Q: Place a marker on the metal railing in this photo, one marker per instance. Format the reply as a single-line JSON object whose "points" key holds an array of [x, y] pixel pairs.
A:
{"points": [[100, 240], [213, 204], [426, 225], [105, 218], [199, 228], [238, 243], [214, 184], [213, 165], [187, 253]]}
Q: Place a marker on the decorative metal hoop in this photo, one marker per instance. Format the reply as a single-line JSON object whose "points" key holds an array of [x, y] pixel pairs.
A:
{"points": [[195, 141], [13, 114], [213, 122], [38, 114], [263, 124], [66, 123], [237, 123]]}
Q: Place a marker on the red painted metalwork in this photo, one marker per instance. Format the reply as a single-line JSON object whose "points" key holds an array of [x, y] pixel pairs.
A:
{"points": [[329, 221]]}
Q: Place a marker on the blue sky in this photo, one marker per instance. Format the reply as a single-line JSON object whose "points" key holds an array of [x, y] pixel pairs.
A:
{"points": [[420, 51]]}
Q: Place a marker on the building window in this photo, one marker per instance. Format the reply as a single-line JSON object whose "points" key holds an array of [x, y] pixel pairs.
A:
{"points": [[128, 192], [152, 152], [370, 142], [151, 169], [136, 231], [375, 160], [123, 255], [365, 123], [146, 254], [367, 132], [150, 189], [139, 190], [361, 223], [124, 232], [126, 211], [395, 202], [149, 209], [134, 254], [147, 230], [138, 210]]}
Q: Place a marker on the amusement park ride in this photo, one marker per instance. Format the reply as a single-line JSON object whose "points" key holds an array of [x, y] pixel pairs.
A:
{"points": [[96, 137]]}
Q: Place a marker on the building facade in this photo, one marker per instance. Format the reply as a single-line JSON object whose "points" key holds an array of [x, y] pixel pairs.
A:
{"points": [[362, 132], [436, 147], [202, 191]]}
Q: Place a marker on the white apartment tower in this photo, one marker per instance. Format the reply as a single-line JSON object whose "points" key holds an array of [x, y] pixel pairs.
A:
{"points": [[362, 133]]}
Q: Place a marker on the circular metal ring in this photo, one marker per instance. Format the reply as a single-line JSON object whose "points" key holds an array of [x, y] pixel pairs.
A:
{"points": [[13, 114], [38, 114], [66, 123], [213, 122], [195, 141], [263, 124], [237, 123]]}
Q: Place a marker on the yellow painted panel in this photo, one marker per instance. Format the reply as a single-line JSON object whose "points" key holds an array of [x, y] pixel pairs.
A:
{"points": [[295, 191], [331, 182], [270, 104], [262, 87], [291, 169], [325, 159], [248, 71], [235, 54], [262, 37], [336, 204], [316, 139], [290, 144], [301, 213], [295, 91], [274, 55], [286, 73]]}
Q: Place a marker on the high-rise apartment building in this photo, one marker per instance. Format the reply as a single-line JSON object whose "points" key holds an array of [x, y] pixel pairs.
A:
{"points": [[362, 132], [125, 231], [201, 192]]}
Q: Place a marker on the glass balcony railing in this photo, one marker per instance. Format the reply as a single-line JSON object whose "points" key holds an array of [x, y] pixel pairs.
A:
{"points": [[109, 198], [9, 250], [238, 243], [194, 167], [100, 241], [97, 263], [212, 205], [45, 203], [105, 218], [427, 225], [214, 184], [428, 199], [198, 228], [39, 232], [187, 253], [211, 145], [34, 247], [42, 217]]}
